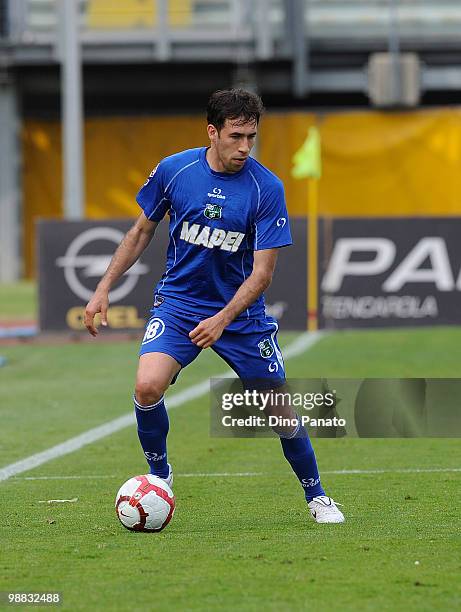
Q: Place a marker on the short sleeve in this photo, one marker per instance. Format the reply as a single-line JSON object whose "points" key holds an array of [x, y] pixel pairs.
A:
{"points": [[272, 226], [151, 197]]}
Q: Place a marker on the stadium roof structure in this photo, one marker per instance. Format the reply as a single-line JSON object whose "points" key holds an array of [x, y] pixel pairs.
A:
{"points": [[302, 46]]}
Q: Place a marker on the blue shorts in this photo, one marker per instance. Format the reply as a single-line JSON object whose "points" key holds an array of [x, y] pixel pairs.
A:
{"points": [[250, 346]]}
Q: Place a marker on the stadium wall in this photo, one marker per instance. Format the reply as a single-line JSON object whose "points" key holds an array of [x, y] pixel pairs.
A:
{"points": [[402, 164]]}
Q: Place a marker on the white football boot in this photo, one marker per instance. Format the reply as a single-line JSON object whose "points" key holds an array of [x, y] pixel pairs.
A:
{"points": [[169, 478], [324, 510]]}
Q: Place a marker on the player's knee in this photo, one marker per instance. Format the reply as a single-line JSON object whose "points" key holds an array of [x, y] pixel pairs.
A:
{"points": [[149, 392]]}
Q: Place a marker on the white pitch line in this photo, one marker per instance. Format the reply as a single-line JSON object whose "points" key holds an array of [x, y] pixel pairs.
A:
{"points": [[104, 476], [396, 471], [303, 344], [249, 474], [299, 346]]}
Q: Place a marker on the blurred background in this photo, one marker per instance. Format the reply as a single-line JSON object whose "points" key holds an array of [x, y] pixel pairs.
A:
{"points": [[94, 93]]}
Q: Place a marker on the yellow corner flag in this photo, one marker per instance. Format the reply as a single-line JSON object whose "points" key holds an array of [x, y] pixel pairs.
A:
{"points": [[307, 162]]}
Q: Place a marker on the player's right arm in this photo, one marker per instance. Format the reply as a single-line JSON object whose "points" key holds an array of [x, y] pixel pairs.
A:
{"points": [[128, 252]]}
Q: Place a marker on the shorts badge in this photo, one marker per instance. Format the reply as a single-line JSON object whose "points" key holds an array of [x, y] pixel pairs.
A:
{"points": [[265, 348]]}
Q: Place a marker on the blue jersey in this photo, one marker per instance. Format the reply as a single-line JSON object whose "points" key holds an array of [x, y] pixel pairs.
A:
{"points": [[217, 220]]}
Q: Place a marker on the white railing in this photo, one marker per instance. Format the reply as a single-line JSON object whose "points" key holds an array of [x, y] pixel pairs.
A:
{"points": [[424, 19], [42, 15], [162, 23], [260, 22]]}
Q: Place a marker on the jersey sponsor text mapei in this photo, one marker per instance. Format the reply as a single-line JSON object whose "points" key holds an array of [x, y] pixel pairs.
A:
{"points": [[208, 237]]}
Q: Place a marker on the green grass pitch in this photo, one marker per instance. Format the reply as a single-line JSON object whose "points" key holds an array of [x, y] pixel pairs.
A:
{"points": [[243, 542], [18, 301]]}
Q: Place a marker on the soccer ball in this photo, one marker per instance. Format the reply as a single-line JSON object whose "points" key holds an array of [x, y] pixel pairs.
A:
{"points": [[145, 503]]}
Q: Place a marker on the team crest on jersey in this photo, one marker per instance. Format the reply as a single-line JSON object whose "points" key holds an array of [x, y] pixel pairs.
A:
{"points": [[213, 211], [265, 348]]}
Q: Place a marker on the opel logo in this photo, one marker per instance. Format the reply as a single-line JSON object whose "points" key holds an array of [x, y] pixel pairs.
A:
{"points": [[96, 265]]}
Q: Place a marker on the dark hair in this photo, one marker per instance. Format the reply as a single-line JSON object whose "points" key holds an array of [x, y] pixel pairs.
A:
{"points": [[233, 104]]}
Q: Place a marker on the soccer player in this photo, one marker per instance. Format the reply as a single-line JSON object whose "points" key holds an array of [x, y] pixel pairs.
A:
{"points": [[228, 218]]}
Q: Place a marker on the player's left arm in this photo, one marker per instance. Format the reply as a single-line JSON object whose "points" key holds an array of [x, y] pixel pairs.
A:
{"points": [[209, 330]]}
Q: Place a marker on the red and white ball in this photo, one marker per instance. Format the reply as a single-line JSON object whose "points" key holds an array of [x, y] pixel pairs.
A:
{"points": [[145, 503]]}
